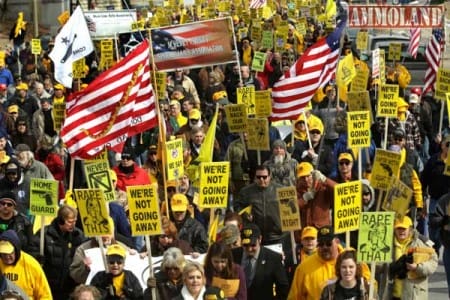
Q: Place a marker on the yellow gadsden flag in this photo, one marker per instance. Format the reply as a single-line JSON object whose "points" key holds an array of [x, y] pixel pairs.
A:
{"points": [[330, 9], [346, 71]]}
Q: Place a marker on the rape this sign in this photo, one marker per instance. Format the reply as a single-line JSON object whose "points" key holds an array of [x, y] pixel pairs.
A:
{"points": [[214, 184], [144, 210], [347, 206]]}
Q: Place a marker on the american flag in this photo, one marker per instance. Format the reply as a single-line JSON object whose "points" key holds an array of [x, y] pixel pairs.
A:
{"points": [[433, 57], [117, 104], [414, 44], [257, 3], [316, 67]]}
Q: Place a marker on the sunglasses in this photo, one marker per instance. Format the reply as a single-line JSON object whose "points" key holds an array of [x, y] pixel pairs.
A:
{"points": [[115, 261], [344, 162], [8, 204], [314, 132], [262, 176], [171, 189], [325, 244], [193, 120], [11, 172], [152, 153], [13, 113], [126, 157], [398, 138]]}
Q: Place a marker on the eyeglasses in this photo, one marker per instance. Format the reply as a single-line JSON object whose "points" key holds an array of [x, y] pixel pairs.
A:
{"points": [[314, 132], [113, 261], [325, 244], [11, 173], [344, 162], [264, 177], [8, 204]]}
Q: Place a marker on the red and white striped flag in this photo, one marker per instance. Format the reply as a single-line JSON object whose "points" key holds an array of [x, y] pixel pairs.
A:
{"points": [[414, 43], [117, 104], [316, 67], [433, 57], [257, 3]]}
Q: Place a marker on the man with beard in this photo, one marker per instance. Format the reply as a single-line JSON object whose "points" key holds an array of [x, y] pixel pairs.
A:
{"points": [[128, 172], [282, 166], [18, 184]]}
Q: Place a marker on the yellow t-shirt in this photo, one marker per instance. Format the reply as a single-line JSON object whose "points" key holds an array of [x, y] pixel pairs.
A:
{"points": [[118, 282]]}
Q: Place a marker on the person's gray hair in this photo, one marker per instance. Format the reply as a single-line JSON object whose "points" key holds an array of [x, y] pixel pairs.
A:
{"points": [[173, 258]]}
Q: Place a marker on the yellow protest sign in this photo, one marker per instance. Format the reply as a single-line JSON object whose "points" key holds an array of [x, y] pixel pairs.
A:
{"points": [[362, 40], [236, 117], [279, 41], [259, 59], [258, 134], [359, 82], [256, 33], [395, 50], [375, 238], [382, 66], [79, 68], [387, 100], [63, 17], [359, 101], [144, 210], [442, 84], [98, 177], [93, 212], [398, 197], [174, 154], [385, 165], [288, 205], [43, 197], [230, 287], [214, 184], [267, 39], [101, 156], [161, 81], [358, 125], [138, 25], [263, 102], [58, 114], [246, 95], [36, 46], [448, 104], [347, 206]]}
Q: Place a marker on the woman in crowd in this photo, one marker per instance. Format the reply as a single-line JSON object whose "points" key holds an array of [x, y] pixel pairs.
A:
{"points": [[349, 283], [86, 292], [194, 285], [168, 281], [221, 272]]}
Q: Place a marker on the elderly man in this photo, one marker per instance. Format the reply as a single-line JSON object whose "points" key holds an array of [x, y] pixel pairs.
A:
{"points": [[32, 168], [345, 171], [177, 120], [282, 166], [263, 267]]}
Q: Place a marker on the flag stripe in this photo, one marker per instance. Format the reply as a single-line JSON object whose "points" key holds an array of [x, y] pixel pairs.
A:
{"points": [[415, 40], [102, 115], [317, 66], [433, 57]]}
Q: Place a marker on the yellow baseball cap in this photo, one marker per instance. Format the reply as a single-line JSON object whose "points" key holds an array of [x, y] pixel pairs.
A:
{"points": [[179, 203], [309, 231], [6, 247], [304, 169], [22, 86], [404, 222], [345, 155], [116, 249], [195, 114]]}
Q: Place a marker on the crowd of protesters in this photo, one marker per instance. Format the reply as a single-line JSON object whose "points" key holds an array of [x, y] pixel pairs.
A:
{"points": [[313, 158]]}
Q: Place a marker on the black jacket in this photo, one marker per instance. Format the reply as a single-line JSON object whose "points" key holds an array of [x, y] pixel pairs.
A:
{"points": [[131, 286], [59, 249], [269, 271], [194, 233]]}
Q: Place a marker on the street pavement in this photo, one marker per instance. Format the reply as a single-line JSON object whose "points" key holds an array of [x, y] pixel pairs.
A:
{"points": [[437, 283]]}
